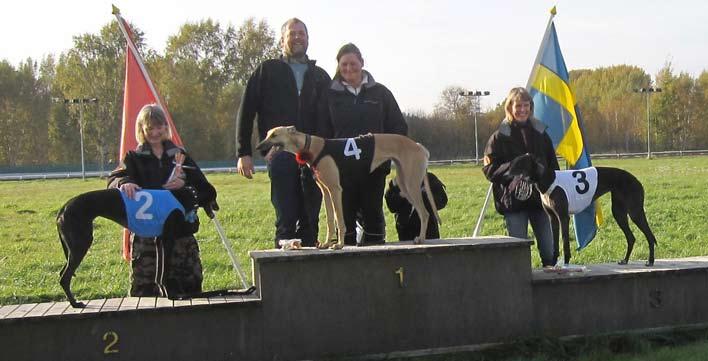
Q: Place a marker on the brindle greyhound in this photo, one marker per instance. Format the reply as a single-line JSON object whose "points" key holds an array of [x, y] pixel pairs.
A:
{"points": [[410, 157], [627, 199]]}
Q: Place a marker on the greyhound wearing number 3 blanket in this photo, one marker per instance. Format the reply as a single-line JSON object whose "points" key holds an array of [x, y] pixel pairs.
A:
{"points": [[359, 156], [585, 186]]}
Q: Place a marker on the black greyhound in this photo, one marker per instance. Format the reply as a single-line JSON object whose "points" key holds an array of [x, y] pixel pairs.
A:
{"points": [[627, 199], [75, 227]]}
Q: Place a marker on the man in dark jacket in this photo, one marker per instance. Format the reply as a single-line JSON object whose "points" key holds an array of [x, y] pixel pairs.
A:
{"points": [[283, 92]]}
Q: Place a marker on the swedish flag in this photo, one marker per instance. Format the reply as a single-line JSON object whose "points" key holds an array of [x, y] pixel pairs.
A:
{"points": [[554, 105]]}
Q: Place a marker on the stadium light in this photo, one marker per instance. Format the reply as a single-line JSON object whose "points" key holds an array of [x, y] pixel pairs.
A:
{"points": [[475, 94], [648, 91], [80, 102]]}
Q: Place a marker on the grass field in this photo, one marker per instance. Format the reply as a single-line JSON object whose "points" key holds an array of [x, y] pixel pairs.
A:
{"points": [[31, 256]]}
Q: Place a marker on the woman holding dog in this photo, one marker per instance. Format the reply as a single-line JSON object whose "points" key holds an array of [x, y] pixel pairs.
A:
{"points": [[151, 166], [353, 105], [520, 133]]}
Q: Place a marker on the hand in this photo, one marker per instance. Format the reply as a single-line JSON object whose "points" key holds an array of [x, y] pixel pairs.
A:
{"points": [[129, 189], [174, 184], [244, 166]]}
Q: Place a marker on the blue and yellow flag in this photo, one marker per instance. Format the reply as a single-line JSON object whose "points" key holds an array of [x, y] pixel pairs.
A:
{"points": [[555, 106]]}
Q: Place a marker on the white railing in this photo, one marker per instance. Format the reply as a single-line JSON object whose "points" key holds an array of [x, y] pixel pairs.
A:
{"points": [[98, 174]]}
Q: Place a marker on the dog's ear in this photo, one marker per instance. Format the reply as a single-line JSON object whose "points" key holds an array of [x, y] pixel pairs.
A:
{"points": [[291, 130], [520, 164]]}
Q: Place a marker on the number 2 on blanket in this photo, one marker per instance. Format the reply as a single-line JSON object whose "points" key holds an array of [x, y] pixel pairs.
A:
{"points": [[350, 149], [141, 213]]}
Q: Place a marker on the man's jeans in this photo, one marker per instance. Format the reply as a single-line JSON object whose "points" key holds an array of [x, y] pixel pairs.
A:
{"points": [[296, 199]]}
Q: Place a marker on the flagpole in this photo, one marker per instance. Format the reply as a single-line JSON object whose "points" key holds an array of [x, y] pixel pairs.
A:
{"points": [[540, 48], [480, 220], [138, 58]]}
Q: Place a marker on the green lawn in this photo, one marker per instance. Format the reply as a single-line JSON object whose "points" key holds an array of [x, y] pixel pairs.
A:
{"points": [[31, 255]]}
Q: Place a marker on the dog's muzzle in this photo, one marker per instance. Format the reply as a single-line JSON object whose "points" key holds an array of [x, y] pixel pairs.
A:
{"points": [[272, 148]]}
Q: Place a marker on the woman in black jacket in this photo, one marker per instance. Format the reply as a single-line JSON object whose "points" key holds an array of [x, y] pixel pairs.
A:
{"points": [[520, 133], [150, 166], [353, 105]]}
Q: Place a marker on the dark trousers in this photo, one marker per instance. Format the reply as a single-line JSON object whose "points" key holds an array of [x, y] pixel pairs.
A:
{"points": [[408, 226], [363, 202], [296, 199], [185, 276]]}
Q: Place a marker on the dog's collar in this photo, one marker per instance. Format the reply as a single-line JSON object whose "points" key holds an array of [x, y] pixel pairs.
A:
{"points": [[308, 140]]}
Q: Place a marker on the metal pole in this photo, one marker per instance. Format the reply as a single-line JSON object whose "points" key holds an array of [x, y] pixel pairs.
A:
{"points": [[476, 145], [648, 124], [81, 134], [480, 221], [230, 251]]}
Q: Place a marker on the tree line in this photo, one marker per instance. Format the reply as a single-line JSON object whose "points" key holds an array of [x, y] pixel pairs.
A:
{"points": [[205, 66]]}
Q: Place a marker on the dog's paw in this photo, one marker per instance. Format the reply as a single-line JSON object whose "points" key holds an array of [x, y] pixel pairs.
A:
{"points": [[418, 240], [325, 245], [622, 262], [336, 246], [77, 304]]}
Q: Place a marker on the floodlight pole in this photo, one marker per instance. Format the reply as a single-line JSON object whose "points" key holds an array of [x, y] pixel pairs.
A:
{"points": [[475, 94], [648, 91], [81, 102]]}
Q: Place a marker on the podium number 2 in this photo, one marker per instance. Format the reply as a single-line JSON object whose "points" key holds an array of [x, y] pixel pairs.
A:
{"points": [[141, 214], [112, 339]]}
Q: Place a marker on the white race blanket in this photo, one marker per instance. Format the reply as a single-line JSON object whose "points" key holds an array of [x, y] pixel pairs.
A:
{"points": [[579, 186]]}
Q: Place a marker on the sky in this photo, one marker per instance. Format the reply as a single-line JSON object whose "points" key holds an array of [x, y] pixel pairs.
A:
{"points": [[416, 48]]}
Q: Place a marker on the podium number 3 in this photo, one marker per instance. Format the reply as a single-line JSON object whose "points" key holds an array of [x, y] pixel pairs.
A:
{"points": [[112, 341]]}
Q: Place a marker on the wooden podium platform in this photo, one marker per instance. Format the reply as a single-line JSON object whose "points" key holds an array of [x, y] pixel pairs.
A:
{"points": [[382, 301]]}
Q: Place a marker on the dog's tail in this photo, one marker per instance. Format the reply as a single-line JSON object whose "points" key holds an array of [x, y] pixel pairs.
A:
{"points": [[426, 183]]}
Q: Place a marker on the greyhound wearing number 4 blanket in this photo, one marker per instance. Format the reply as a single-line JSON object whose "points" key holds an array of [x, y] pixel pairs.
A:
{"points": [[335, 159], [586, 186]]}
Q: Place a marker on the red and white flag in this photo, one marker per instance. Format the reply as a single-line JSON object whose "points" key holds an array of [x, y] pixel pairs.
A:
{"points": [[139, 90]]}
